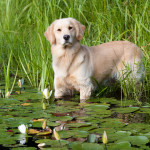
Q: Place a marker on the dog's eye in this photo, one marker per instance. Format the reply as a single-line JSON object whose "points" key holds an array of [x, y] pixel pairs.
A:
{"points": [[70, 28], [58, 29]]}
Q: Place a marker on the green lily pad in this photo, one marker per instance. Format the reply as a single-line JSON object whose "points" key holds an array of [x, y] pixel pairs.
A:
{"points": [[24, 148], [8, 101], [110, 100], [53, 143], [126, 109], [136, 140], [96, 107], [63, 148], [146, 134], [118, 135], [8, 140], [77, 125], [127, 103], [144, 110], [85, 146], [61, 118], [124, 145], [137, 127], [27, 96], [72, 133], [52, 124], [112, 123], [101, 130]]}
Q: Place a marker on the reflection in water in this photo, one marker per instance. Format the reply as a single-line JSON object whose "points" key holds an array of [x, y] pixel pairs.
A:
{"points": [[133, 117]]}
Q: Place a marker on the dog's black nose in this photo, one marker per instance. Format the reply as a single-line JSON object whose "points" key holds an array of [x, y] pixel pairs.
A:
{"points": [[66, 37]]}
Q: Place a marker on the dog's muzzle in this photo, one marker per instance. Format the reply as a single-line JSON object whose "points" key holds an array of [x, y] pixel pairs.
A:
{"points": [[67, 41]]}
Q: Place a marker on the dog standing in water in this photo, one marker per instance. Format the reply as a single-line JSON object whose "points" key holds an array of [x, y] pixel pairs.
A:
{"points": [[75, 64]]}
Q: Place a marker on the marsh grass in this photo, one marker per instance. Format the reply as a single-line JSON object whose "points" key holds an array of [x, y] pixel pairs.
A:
{"points": [[23, 24]]}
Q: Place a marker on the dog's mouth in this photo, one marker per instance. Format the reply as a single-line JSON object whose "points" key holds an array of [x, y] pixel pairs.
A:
{"points": [[67, 44]]}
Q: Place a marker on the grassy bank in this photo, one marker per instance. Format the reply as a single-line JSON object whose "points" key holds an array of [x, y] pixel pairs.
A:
{"points": [[23, 24]]}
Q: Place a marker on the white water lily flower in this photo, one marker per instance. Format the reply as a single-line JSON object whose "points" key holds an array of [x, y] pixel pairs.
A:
{"points": [[46, 93], [23, 128]]}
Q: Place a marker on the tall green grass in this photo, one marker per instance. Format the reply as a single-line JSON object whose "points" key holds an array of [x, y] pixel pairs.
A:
{"points": [[23, 24]]}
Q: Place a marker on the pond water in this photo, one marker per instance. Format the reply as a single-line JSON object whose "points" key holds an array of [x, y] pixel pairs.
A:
{"points": [[80, 125]]}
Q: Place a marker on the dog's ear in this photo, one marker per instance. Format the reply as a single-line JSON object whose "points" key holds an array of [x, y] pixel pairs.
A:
{"points": [[79, 30], [49, 34]]}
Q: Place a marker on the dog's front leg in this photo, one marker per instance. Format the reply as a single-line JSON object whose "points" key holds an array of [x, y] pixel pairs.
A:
{"points": [[60, 88], [86, 90]]}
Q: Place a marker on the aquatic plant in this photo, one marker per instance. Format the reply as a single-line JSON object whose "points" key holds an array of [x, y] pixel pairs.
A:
{"points": [[104, 139], [56, 135], [24, 45], [46, 93], [23, 128]]}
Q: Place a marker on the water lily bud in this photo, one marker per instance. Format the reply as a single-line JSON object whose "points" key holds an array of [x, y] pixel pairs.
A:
{"points": [[44, 124], [20, 83], [104, 138], [46, 93], [44, 106], [7, 94], [56, 135], [23, 128]]}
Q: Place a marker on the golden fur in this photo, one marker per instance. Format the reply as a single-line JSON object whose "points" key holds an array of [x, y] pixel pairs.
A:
{"points": [[75, 64]]}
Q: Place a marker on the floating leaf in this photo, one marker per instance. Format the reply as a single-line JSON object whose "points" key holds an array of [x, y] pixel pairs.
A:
{"points": [[126, 109], [33, 131], [124, 145], [47, 132], [77, 125], [86, 146], [26, 104], [73, 133], [136, 140], [52, 143], [24, 148]]}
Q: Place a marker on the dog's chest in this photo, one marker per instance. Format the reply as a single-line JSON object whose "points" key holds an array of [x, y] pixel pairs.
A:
{"points": [[68, 65]]}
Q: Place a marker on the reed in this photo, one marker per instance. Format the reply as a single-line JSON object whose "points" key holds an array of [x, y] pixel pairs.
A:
{"points": [[23, 24]]}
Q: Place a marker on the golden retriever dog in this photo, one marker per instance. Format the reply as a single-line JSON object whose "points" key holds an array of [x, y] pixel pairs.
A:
{"points": [[74, 64]]}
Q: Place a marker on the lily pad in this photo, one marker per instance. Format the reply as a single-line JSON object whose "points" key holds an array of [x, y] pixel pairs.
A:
{"points": [[136, 140], [124, 145], [72, 133], [109, 100], [53, 143], [77, 125], [118, 135], [126, 109], [24, 148], [85, 146]]}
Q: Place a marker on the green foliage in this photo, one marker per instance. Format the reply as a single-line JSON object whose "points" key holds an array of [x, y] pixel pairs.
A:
{"points": [[23, 24]]}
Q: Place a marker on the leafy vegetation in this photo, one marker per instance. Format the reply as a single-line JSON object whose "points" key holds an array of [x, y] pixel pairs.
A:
{"points": [[25, 54], [78, 126], [24, 47]]}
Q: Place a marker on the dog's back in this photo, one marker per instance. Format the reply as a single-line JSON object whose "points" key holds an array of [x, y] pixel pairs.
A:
{"points": [[115, 59]]}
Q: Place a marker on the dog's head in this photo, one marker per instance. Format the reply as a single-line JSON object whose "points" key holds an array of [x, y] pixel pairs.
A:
{"points": [[65, 32]]}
